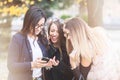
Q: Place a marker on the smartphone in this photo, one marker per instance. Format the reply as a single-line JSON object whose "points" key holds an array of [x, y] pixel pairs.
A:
{"points": [[45, 59]]}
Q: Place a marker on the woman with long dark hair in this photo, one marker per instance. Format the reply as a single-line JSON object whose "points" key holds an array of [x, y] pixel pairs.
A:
{"points": [[61, 69], [27, 48]]}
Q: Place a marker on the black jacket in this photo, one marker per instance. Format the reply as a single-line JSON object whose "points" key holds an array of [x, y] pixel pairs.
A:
{"points": [[63, 70]]}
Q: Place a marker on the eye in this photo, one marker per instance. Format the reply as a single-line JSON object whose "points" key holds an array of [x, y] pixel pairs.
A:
{"points": [[52, 30], [42, 25], [39, 26]]}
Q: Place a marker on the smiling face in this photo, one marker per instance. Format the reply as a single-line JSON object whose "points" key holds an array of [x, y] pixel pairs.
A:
{"points": [[39, 26], [53, 33]]}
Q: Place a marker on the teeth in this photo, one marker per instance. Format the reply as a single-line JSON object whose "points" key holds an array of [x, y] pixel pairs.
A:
{"points": [[54, 38]]}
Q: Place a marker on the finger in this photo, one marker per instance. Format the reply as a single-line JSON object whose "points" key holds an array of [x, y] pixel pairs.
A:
{"points": [[50, 60], [43, 61], [49, 64], [57, 61], [54, 58], [40, 65]]}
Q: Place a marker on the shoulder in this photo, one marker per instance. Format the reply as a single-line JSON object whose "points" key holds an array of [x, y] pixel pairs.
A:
{"points": [[18, 37], [100, 32], [99, 29]]}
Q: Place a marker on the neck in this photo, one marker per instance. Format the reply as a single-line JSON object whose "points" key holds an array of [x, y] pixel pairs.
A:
{"points": [[56, 45], [32, 36]]}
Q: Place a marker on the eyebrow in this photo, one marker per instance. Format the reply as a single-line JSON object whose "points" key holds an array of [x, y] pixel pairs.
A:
{"points": [[40, 24]]}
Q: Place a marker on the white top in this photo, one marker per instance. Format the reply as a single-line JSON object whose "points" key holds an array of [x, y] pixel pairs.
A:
{"points": [[37, 53]]}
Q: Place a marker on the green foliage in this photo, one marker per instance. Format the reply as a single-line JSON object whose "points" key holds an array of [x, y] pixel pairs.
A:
{"points": [[65, 16], [53, 4]]}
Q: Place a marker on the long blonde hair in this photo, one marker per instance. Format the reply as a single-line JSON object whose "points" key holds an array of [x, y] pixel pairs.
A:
{"points": [[85, 40]]}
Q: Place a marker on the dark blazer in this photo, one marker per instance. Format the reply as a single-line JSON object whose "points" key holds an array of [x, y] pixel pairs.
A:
{"points": [[20, 57], [63, 70]]}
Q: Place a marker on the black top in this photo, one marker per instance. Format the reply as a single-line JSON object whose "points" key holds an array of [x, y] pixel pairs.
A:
{"points": [[81, 70], [85, 70], [63, 70]]}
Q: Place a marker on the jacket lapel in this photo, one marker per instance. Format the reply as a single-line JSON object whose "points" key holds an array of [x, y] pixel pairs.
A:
{"points": [[43, 49], [29, 48]]}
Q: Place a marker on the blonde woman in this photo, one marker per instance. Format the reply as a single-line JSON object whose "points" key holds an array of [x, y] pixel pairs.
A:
{"points": [[90, 51]]}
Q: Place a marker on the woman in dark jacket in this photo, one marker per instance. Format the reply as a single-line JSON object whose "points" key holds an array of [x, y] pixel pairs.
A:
{"points": [[28, 47], [61, 69]]}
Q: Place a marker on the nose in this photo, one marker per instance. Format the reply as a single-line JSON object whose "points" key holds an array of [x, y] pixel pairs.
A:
{"points": [[54, 33]]}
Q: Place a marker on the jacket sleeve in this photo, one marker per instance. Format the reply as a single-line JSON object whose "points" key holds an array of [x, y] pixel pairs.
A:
{"points": [[14, 54]]}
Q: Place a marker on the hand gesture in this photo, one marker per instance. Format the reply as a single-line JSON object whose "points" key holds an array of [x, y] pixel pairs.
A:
{"points": [[39, 63], [55, 62]]}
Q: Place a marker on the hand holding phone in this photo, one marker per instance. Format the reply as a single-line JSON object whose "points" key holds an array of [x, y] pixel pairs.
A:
{"points": [[45, 59]]}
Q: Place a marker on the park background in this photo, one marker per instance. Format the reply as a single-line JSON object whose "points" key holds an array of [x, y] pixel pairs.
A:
{"points": [[104, 13]]}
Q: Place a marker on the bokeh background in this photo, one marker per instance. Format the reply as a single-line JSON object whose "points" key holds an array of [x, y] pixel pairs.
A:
{"points": [[104, 13]]}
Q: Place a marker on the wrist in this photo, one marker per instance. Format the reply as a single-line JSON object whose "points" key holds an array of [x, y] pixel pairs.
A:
{"points": [[32, 65]]}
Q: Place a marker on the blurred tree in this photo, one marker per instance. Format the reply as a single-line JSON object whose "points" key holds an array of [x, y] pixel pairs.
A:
{"points": [[82, 7], [95, 12], [18, 7], [91, 11]]}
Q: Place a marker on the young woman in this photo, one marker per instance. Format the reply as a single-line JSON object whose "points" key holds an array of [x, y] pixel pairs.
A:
{"points": [[90, 52], [61, 69], [27, 47]]}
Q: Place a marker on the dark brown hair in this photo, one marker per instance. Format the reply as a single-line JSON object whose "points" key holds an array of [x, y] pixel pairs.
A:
{"points": [[62, 39], [32, 16]]}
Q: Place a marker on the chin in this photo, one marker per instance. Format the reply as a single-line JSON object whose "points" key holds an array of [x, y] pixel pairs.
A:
{"points": [[54, 42], [37, 33]]}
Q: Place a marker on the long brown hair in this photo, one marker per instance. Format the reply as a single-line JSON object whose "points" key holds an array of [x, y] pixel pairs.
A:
{"points": [[32, 16]]}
